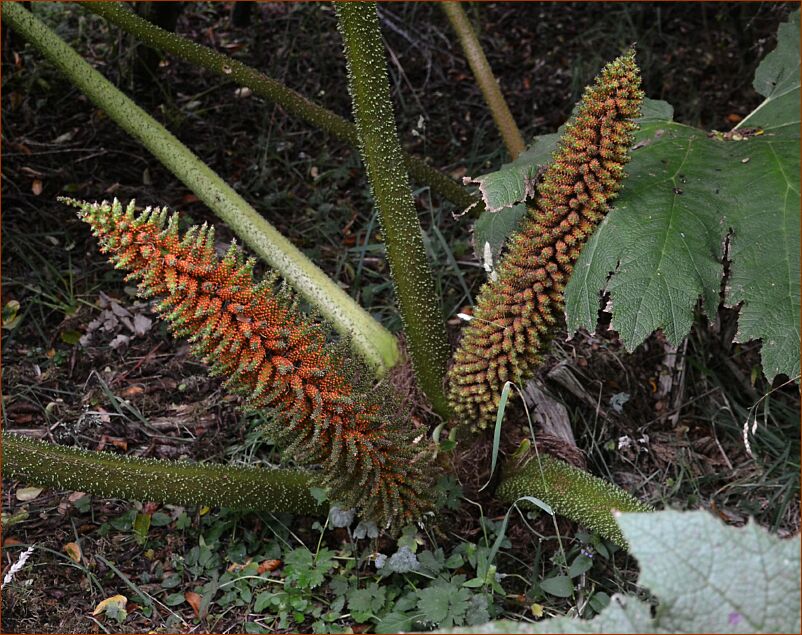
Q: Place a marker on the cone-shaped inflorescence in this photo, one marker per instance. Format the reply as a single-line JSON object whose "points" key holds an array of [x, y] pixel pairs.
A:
{"points": [[515, 312], [271, 353]]}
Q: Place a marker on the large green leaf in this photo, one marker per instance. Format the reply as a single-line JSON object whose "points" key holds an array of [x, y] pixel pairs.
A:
{"points": [[777, 79], [688, 196], [707, 577]]}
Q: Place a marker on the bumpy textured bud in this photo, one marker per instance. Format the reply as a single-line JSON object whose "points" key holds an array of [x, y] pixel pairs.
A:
{"points": [[274, 355], [515, 313]]}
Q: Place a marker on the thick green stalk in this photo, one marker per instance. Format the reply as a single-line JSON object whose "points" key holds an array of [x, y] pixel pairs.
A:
{"points": [[377, 345], [418, 303], [113, 476], [484, 78], [270, 89], [570, 492]]}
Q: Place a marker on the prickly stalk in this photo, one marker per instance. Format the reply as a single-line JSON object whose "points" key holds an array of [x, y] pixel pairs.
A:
{"points": [[418, 303], [571, 492], [181, 483]]}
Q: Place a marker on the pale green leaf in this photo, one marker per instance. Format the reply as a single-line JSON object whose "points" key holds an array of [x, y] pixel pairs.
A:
{"points": [[707, 577]]}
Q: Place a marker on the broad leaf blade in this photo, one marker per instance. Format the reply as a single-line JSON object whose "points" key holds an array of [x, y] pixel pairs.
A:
{"points": [[764, 251], [712, 578], [669, 249], [777, 79], [687, 194], [707, 577]]}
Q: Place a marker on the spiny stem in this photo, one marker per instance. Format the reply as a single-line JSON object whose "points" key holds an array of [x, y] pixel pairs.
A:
{"points": [[483, 74], [113, 476], [572, 493], [270, 89], [377, 345], [381, 152]]}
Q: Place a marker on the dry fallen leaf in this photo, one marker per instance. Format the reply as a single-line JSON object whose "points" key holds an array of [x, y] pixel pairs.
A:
{"points": [[28, 493], [117, 442], [142, 324], [134, 390], [238, 566], [117, 601], [36, 187], [268, 565], [194, 600], [119, 310], [73, 550], [120, 341]]}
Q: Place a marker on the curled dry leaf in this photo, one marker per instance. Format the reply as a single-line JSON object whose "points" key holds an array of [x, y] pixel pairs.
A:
{"points": [[28, 493], [73, 550], [115, 601], [268, 565], [194, 600]]}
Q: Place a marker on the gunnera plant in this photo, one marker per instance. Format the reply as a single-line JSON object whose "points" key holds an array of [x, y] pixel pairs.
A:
{"points": [[516, 313], [282, 361]]}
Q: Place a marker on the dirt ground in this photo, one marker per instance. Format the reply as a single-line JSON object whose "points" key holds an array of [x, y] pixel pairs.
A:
{"points": [[88, 364]]}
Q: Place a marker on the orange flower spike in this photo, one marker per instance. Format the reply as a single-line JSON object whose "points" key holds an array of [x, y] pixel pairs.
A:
{"points": [[272, 354], [584, 175]]}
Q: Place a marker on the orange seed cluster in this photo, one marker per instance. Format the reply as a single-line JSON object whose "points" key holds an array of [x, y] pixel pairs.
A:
{"points": [[274, 355], [515, 313]]}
